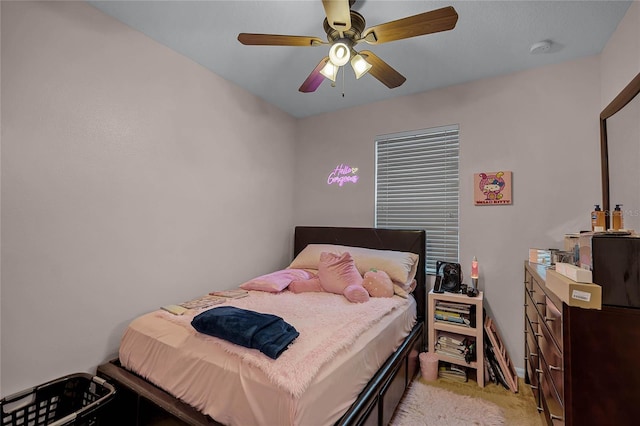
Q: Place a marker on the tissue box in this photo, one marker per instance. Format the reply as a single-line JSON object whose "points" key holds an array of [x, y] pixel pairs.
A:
{"points": [[573, 272], [582, 295]]}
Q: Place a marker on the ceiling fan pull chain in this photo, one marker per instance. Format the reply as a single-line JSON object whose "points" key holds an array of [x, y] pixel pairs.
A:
{"points": [[343, 81]]}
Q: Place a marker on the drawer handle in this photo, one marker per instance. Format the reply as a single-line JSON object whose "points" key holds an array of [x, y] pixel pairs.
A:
{"points": [[540, 303], [553, 367], [540, 410], [526, 305], [549, 319], [554, 417], [534, 387], [532, 354], [538, 334], [535, 322], [539, 371]]}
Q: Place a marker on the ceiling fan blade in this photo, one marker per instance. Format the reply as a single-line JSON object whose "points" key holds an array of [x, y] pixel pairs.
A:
{"points": [[315, 78], [278, 40], [383, 71], [338, 14], [425, 23]]}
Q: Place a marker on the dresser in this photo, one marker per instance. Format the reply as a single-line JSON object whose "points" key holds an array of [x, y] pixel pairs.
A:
{"points": [[582, 364]]}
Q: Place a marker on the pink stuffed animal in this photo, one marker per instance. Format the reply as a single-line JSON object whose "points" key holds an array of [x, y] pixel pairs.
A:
{"points": [[336, 274], [378, 283]]}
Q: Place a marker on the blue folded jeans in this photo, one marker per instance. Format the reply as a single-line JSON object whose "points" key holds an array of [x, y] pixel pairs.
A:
{"points": [[268, 333]]}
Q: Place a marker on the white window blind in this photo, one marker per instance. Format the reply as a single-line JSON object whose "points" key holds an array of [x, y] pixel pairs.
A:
{"points": [[417, 186]]}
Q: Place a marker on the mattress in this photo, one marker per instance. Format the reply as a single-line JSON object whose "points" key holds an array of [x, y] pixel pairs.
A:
{"points": [[236, 392]]}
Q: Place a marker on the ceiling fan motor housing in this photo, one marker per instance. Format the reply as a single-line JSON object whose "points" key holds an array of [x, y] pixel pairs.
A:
{"points": [[357, 26]]}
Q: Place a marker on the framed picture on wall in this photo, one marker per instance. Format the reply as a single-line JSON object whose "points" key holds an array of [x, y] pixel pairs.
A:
{"points": [[492, 188]]}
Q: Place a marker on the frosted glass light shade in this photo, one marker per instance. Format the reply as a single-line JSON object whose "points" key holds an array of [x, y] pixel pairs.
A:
{"points": [[330, 71], [339, 54], [360, 66]]}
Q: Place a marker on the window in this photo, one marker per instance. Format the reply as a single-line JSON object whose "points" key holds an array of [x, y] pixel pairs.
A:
{"points": [[417, 187]]}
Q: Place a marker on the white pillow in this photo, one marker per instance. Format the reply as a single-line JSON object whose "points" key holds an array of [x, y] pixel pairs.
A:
{"points": [[400, 266]]}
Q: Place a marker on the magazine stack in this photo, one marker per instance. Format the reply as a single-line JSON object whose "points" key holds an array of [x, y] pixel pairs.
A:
{"points": [[462, 348], [455, 313], [452, 372]]}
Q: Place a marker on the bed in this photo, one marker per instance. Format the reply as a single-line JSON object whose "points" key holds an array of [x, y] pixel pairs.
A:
{"points": [[369, 394]]}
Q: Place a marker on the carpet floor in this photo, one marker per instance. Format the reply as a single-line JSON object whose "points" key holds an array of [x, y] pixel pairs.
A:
{"points": [[517, 409]]}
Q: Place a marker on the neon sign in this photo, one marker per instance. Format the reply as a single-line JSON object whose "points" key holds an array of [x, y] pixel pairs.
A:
{"points": [[343, 174]]}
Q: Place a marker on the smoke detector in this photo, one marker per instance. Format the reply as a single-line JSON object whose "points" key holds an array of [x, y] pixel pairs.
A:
{"points": [[540, 47]]}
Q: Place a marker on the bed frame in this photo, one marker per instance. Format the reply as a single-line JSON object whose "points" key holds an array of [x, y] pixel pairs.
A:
{"points": [[139, 402]]}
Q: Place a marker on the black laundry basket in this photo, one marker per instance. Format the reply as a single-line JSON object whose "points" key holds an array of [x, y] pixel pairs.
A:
{"points": [[76, 399]]}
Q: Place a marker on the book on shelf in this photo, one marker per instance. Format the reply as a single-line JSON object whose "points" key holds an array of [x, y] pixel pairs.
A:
{"points": [[450, 314], [231, 294], [453, 307], [451, 353], [462, 348], [456, 313], [439, 317], [452, 371], [450, 338]]}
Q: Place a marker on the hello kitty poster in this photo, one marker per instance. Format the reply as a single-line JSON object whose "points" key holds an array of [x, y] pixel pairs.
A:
{"points": [[492, 188]]}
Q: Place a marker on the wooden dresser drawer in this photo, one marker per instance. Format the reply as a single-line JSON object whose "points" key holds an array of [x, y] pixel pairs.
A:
{"points": [[555, 409], [528, 281], [532, 367], [539, 299], [553, 319], [532, 339], [533, 373], [553, 366], [530, 309], [533, 336]]}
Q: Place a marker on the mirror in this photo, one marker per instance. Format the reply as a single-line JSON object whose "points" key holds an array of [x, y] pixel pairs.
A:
{"points": [[620, 150]]}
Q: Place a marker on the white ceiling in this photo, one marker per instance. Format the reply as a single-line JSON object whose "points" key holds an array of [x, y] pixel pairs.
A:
{"points": [[491, 38]]}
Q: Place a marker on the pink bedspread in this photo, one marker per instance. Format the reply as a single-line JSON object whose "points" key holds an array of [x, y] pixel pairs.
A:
{"points": [[327, 324]]}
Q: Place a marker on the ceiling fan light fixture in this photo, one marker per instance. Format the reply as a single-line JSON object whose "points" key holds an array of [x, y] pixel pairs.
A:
{"points": [[339, 54], [360, 66], [330, 71]]}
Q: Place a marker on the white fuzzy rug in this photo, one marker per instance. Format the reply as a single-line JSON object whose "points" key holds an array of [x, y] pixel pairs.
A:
{"points": [[431, 406]]}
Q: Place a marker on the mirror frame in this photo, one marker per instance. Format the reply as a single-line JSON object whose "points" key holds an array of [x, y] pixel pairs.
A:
{"points": [[624, 97]]}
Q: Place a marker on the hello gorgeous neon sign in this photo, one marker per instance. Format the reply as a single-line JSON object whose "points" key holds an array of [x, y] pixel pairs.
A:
{"points": [[343, 174]]}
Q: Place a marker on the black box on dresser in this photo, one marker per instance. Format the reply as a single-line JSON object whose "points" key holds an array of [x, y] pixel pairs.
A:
{"points": [[616, 267]]}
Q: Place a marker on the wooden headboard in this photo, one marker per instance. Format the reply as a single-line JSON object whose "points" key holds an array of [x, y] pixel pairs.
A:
{"points": [[413, 241]]}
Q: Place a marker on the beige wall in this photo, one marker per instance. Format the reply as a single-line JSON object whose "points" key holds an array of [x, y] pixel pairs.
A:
{"points": [[541, 124], [620, 59], [131, 177]]}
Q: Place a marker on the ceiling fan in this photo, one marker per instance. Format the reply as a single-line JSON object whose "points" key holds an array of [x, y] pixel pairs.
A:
{"points": [[345, 29]]}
